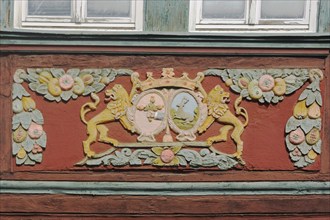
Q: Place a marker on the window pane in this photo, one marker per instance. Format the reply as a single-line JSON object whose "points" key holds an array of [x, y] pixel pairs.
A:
{"points": [[289, 9], [223, 9], [108, 8], [49, 7]]}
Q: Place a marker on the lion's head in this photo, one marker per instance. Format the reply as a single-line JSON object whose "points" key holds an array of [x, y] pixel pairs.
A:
{"points": [[117, 92], [217, 99]]}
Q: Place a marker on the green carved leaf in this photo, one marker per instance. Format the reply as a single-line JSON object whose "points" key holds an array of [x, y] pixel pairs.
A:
{"points": [[307, 124], [19, 91], [105, 72], [318, 98], [42, 89], [25, 119], [275, 99], [134, 161], [290, 146], [310, 99], [33, 86], [317, 147], [148, 161], [236, 88], [275, 72], [294, 157], [42, 141], [304, 148], [21, 161], [57, 73], [261, 100], [88, 90], [301, 163], [290, 89], [49, 97], [28, 161], [58, 98], [244, 93], [35, 157], [66, 95], [268, 96], [292, 124], [15, 148], [74, 96], [308, 160], [98, 87], [37, 117], [124, 72], [304, 94], [28, 144], [182, 161], [73, 72]]}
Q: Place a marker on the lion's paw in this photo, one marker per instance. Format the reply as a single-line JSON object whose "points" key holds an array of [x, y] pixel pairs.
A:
{"points": [[209, 141], [115, 143], [90, 153]]}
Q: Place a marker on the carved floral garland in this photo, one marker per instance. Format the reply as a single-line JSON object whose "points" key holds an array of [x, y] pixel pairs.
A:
{"points": [[264, 86], [29, 139], [269, 86]]}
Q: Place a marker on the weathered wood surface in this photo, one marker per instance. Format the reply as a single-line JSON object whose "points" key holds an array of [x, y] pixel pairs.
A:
{"points": [[166, 15], [164, 205]]}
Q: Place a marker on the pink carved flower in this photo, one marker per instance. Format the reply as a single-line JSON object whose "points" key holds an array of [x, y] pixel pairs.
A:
{"points": [[66, 82], [296, 152], [166, 156], [35, 130], [36, 149], [266, 83]]}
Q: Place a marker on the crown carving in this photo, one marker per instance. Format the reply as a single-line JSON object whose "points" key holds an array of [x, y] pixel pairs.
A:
{"points": [[167, 79]]}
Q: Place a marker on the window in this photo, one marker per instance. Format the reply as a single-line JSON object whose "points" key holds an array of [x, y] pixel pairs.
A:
{"points": [[79, 14], [253, 15]]}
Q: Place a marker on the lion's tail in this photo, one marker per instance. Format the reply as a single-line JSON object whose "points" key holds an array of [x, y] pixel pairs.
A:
{"points": [[89, 106], [241, 111]]}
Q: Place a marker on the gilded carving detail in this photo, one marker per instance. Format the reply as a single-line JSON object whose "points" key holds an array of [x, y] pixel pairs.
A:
{"points": [[157, 107]]}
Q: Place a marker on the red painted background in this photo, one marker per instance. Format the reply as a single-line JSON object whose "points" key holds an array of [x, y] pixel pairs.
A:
{"points": [[264, 137]]}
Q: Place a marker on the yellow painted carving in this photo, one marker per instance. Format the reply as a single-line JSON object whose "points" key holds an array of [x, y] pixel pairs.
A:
{"points": [[218, 111], [44, 77], [312, 155], [314, 111], [300, 110], [21, 153], [115, 110], [280, 87], [28, 104], [166, 156], [254, 90], [54, 87], [79, 86], [168, 79]]}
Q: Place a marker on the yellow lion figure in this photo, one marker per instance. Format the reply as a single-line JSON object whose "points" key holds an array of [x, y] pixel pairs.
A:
{"points": [[219, 111], [115, 110]]}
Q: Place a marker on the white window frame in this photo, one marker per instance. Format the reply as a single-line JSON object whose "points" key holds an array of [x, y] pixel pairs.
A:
{"points": [[252, 21], [78, 21]]}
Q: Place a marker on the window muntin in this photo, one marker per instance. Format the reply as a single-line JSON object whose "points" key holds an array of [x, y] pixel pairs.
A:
{"points": [[79, 15], [259, 15]]}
